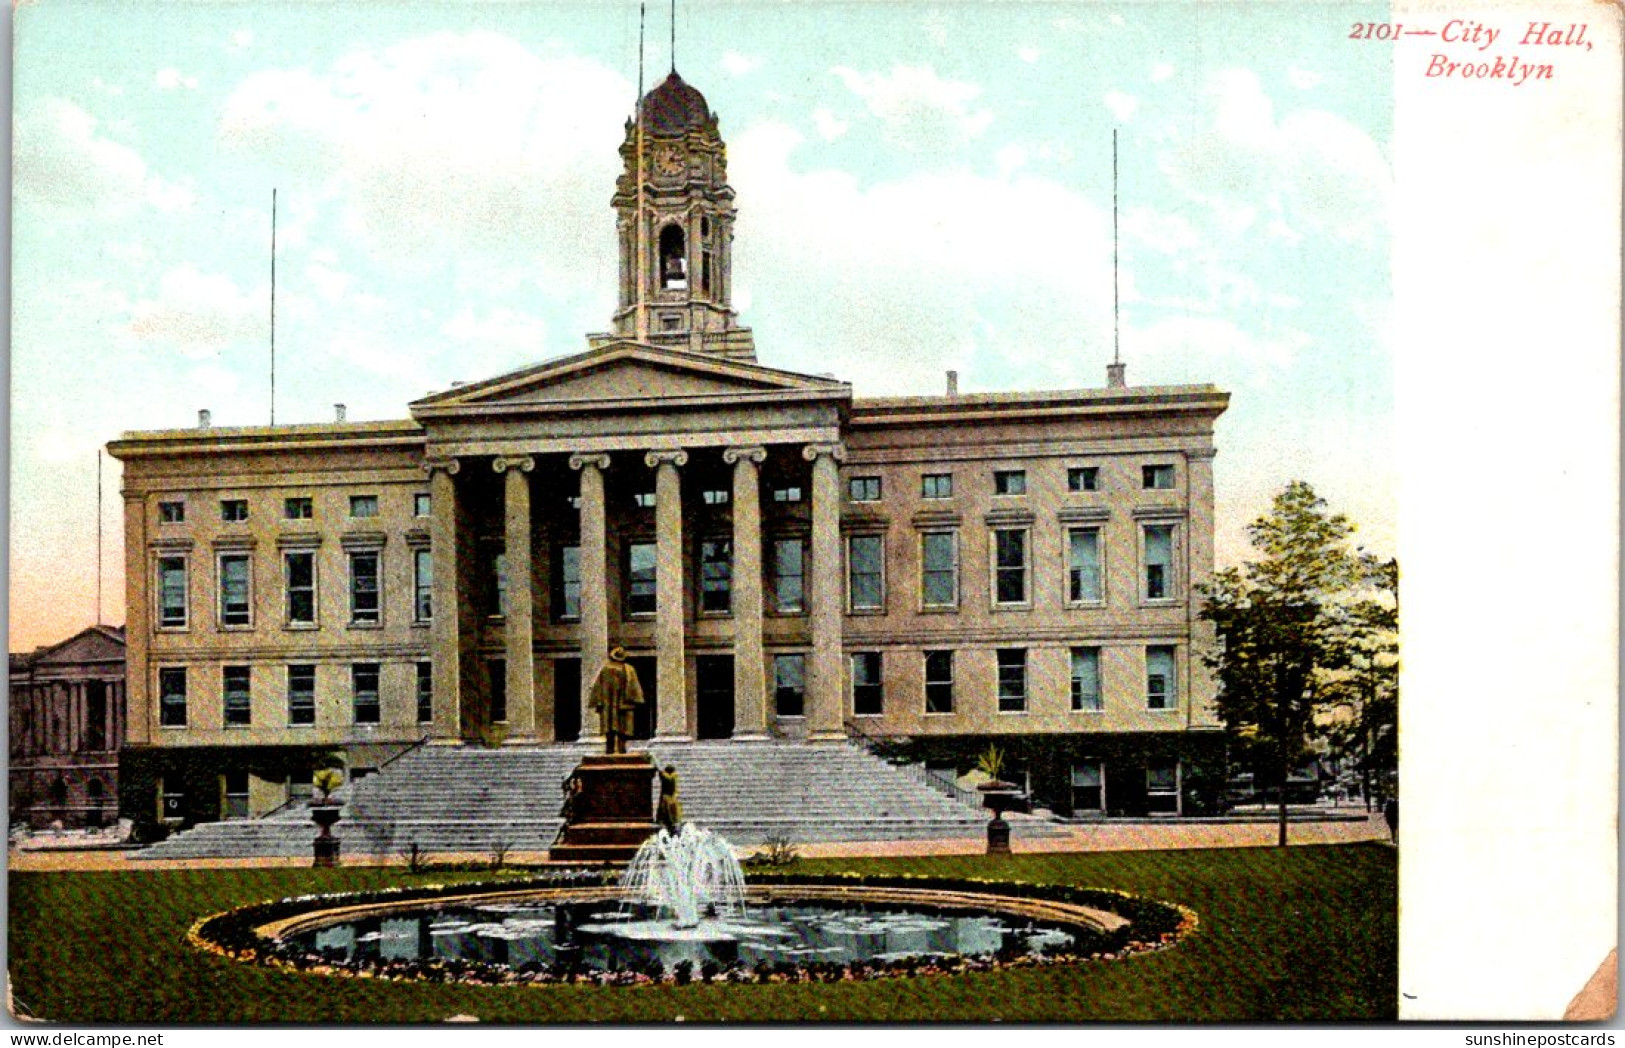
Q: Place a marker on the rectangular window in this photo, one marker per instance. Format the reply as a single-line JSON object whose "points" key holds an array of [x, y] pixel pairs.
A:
{"points": [[1010, 482], [1088, 787], [298, 507], [364, 692], [939, 682], [363, 505], [865, 561], [421, 506], [365, 606], [235, 604], [172, 697], [172, 513], [172, 592], [233, 511], [939, 569], [787, 493], [789, 685], [1010, 566], [1162, 785], [715, 496], [640, 578], [301, 695], [789, 593], [1083, 478], [234, 696], [299, 571], [497, 673], [868, 693], [496, 592], [1083, 565], [422, 585], [567, 584], [1012, 680], [1160, 690], [937, 486], [1159, 561], [234, 784], [425, 692], [863, 489], [1158, 477], [1086, 680], [716, 575]]}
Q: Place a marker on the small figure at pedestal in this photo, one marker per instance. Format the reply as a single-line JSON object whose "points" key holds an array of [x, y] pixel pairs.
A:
{"points": [[615, 695], [669, 813]]}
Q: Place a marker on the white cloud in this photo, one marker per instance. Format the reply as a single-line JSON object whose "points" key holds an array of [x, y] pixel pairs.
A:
{"points": [[830, 127], [63, 160], [1028, 54], [1303, 79], [240, 40], [1004, 277], [1304, 173], [169, 79], [199, 313], [1160, 72], [736, 64], [448, 146], [917, 107], [518, 335], [1122, 105]]}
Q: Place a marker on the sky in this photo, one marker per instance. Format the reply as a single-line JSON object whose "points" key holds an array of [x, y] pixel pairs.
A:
{"points": [[920, 188]]}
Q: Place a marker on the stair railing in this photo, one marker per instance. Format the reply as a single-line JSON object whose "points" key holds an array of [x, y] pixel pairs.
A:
{"points": [[292, 801], [915, 770]]}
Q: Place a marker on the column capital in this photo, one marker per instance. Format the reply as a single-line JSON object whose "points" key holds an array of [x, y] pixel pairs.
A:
{"points": [[449, 465], [813, 452], [675, 456], [523, 463], [753, 453], [582, 460]]}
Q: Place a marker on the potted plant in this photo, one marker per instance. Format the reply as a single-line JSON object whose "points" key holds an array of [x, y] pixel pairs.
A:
{"points": [[998, 797], [324, 812]]}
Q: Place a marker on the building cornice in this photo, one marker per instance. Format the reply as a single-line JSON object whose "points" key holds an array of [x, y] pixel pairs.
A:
{"points": [[1042, 405], [347, 436]]}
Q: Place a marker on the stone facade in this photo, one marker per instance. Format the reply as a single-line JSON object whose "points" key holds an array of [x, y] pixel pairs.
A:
{"points": [[66, 714], [779, 558]]}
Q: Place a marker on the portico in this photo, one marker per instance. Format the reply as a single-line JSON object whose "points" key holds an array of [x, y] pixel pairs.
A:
{"points": [[617, 497]]}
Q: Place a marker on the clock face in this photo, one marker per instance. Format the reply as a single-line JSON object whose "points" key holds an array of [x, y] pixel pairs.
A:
{"points": [[669, 162]]}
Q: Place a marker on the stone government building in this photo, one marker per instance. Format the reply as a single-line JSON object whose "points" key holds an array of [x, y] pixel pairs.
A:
{"points": [[65, 711], [782, 560]]}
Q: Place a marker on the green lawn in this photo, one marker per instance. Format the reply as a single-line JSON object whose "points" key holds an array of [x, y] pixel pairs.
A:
{"points": [[1301, 934]]}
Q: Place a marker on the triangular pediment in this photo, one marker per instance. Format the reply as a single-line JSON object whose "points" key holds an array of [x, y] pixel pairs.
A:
{"points": [[628, 371], [96, 644]]}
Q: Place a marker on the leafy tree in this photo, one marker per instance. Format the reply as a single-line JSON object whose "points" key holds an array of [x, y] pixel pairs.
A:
{"points": [[1368, 739], [1286, 624]]}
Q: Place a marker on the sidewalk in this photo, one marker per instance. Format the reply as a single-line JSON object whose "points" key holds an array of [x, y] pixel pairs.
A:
{"points": [[1081, 837]]}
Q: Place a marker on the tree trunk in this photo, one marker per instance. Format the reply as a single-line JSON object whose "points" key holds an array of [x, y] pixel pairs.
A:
{"points": [[1280, 837]]}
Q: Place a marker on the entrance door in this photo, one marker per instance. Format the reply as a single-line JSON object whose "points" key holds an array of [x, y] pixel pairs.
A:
{"points": [[567, 699], [645, 717], [714, 696]]}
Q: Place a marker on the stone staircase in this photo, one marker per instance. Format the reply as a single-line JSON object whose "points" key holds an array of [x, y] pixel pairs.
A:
{"points": [[472, 800]]}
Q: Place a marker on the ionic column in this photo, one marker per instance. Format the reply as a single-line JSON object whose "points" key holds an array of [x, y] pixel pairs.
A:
{"points": [[519, 634], [594, 583], [824, 722], [445, 634], [671, 713], [750, 686]]}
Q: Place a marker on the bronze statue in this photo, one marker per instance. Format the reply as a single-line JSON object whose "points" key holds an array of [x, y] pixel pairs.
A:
{"points": [[670, 811], [615, 695]]}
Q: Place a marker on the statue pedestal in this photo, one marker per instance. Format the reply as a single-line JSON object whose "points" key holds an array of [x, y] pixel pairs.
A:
{"points": [[613, 813]]}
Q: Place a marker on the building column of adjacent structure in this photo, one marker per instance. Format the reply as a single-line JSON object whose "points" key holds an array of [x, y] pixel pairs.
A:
{"points": [[140, 682], [824, 692], [750, 685], [671, 663], [594, 586], [445, 634], [518, 622]]}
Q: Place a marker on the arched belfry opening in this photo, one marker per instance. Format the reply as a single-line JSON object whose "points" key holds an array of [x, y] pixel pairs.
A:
{"points": [[673, 259], [676, 228]]}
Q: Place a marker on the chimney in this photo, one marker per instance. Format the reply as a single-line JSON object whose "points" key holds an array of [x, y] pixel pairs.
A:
{"points": [[203, 418], [338, 412], [953, 383], [1115, 375]]}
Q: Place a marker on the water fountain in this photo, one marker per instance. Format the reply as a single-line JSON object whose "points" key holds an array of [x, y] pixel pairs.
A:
{"points": [[686, 876]]}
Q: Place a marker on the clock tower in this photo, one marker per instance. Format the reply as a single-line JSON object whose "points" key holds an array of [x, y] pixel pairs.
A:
{"points": [[674, 219]]}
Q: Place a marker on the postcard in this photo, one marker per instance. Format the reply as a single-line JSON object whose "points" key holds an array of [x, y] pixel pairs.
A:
{"points": [[725, 512]]}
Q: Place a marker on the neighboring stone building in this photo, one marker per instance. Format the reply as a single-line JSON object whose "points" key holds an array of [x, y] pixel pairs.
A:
{"points": [[66, 706], [779, 558]]}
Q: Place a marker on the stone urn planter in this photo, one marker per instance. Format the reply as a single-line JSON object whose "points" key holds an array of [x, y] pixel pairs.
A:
{"points": [[324, 812], [999, 797]]}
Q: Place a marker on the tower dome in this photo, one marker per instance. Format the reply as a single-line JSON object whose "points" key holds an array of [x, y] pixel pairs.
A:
{"points": [[674, 107]]}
